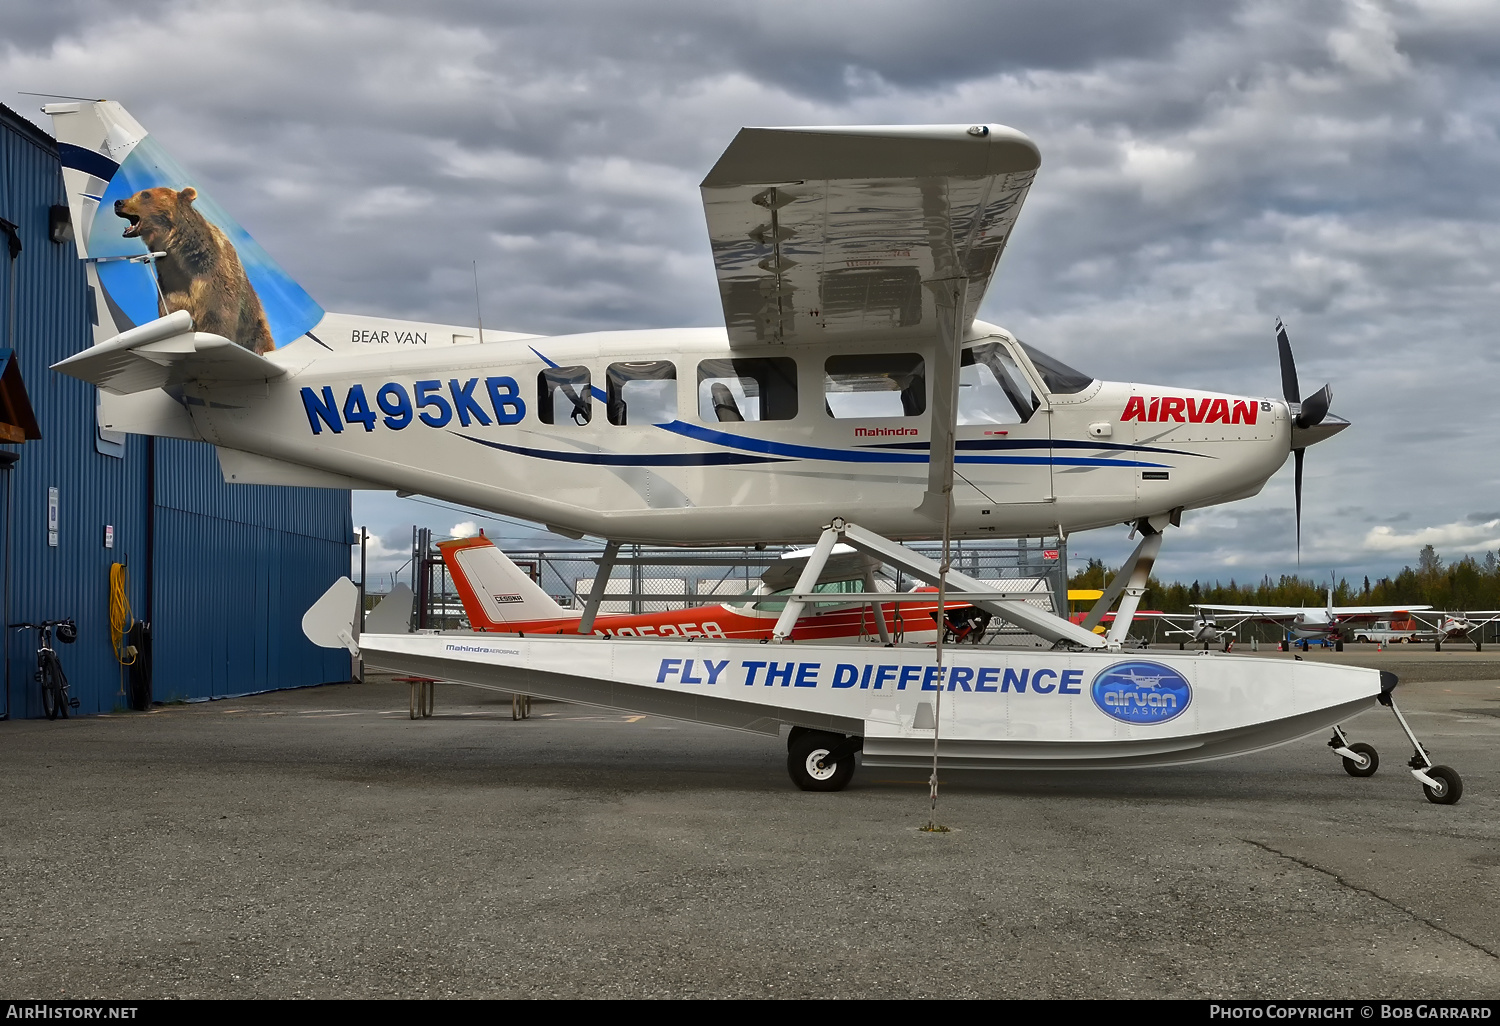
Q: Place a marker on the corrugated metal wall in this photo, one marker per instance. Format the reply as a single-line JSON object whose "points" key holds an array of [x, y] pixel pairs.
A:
{"points": [[44, 317], [235, 565]]}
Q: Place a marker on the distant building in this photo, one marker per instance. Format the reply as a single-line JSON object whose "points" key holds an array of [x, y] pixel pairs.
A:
{"points": [[222, 573]]}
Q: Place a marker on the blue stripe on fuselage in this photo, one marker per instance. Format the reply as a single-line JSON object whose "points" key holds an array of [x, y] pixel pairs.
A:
{"points": [[897, 452], [789, 450], [613, 459], [1039, 443]]}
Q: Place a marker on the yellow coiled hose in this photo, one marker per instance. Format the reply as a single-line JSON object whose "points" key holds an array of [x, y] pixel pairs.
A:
{"points": [[121, 619]]}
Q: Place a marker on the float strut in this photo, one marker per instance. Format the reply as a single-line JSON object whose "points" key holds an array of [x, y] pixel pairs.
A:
{"points": [[1140, 574], [807, 582], [1421, 762], [596, 590]]}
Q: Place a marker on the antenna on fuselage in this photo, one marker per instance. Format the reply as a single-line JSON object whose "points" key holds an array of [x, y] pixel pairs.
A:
{"points": [[478, 313]]}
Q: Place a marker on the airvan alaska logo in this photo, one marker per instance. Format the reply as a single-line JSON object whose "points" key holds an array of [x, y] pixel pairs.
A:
{"points": [[1141, 692]]}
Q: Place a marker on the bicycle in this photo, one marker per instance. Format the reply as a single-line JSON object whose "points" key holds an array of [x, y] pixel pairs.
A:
{"points": [[49, 672]]}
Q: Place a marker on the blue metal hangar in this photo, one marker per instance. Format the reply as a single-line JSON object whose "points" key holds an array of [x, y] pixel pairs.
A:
{"points": [[217, 576]]}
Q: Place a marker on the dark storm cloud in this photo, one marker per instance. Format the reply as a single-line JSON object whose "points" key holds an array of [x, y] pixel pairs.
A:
{"points": [[37, 26], [830, 51], [1206, 168]]}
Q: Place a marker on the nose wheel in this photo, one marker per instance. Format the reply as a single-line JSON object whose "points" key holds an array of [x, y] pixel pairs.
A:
{"points": [[1441, 784]]}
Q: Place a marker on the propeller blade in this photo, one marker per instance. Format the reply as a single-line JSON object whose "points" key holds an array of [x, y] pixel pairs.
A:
{"points": [[1315, 407], [1297, 488], [1289, 390]]}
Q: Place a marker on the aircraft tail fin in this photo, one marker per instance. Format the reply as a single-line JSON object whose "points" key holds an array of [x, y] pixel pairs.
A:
{"points": [[496, 594], [142, 224]]}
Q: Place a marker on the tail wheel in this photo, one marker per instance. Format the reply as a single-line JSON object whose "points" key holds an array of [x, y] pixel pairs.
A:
{"points": [[1452, 786], [808, 765], [1367, 768]]}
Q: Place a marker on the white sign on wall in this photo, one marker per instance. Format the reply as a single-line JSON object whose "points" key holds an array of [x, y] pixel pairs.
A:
{"points": [[52, 517]]}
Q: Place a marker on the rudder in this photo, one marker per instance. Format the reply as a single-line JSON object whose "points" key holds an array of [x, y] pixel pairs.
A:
{"points": [[496, 594], [128, 199]]}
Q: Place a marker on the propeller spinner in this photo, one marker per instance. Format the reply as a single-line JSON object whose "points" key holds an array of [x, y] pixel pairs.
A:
{"points": [[1311, 421]]}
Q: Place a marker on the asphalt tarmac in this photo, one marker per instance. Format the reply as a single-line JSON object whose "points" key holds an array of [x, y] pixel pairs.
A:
{"points": [[319, 843]]}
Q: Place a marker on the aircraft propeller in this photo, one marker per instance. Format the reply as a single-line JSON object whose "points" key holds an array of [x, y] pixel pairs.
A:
{"points": [[1306, 413]]}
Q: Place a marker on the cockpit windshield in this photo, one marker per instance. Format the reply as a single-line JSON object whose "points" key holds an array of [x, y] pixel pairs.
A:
{"points": [[1058, 376]]}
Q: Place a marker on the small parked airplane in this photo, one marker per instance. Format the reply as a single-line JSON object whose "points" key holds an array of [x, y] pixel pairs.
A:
{"points": [[850, 396], [1464, 626], [1329, 624], [862, 605], [1199, 629]]}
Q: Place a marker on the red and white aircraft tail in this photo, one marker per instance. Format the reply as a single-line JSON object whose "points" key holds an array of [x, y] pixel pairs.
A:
{"points": [[497, 594]]}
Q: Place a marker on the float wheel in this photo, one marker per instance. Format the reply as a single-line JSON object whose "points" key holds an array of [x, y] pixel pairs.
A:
{"points": [[1452, 789], [1368, 767], [806, 756]]}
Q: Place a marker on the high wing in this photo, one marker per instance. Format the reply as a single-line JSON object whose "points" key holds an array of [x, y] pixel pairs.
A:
{"points": [[821, 234], [1343, 613], [1474, 617]]}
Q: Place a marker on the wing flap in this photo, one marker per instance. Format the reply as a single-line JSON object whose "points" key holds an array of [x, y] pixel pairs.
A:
{"points": [[826, 233], [163, 353]]}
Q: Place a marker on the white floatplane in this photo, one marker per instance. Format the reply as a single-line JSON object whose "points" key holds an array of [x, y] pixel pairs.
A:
{"points": [[852, 396]]}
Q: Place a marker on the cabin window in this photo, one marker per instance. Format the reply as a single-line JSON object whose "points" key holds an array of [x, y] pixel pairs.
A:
{"points": [[564, 396], [642, 393], [733, 391], [883, 385], [1059, 378], [991, 387]]}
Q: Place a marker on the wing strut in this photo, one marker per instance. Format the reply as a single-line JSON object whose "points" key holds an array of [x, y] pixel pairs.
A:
{"points": [[949, 295]]}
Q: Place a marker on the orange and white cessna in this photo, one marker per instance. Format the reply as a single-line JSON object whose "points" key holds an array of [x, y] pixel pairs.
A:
{"points": [[499, 597]]}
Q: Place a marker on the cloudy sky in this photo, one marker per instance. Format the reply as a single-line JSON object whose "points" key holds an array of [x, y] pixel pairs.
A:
{"points": [[1206, 168]]}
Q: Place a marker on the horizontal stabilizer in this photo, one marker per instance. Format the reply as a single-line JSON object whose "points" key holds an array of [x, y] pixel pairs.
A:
{"points": [[163, 353]]}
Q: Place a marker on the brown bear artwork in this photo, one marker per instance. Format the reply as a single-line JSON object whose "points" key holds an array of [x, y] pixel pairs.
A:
{"points": [[201, 272]]}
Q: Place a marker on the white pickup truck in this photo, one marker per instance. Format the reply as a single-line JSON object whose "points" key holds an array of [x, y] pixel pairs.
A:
{"points": [[1389, 632]]}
